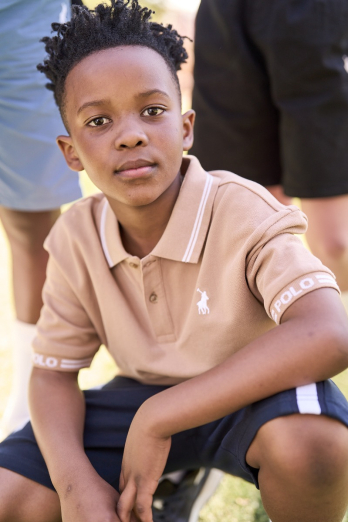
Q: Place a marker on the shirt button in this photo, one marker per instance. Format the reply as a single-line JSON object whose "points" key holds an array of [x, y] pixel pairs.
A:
{"points": [[133, 265], [153, 298]]}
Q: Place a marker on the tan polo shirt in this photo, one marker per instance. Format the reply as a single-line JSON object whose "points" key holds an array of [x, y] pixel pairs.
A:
{"points": [[226, 268]]}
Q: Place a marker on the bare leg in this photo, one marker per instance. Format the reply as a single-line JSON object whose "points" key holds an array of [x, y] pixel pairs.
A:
{"points": [[26, 232], [22, 500], [303, 463], [278, 193], [327, 234]]}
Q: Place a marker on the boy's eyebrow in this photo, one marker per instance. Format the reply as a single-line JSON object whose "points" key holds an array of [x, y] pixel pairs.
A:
{"points": [[145, 94], [94, 103], [150, 92]]}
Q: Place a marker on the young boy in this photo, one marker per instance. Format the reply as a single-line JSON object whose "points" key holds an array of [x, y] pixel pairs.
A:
{"points": [[218, 318]]}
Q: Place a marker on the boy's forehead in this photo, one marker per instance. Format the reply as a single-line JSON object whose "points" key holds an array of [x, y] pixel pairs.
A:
{"points": [[131, 69]]}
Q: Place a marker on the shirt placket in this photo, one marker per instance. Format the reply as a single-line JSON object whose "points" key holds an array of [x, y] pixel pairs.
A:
{"points": [[155, 299]]}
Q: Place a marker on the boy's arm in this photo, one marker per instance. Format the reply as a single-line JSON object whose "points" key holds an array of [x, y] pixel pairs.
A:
{"points": [[58, 410], [310, 345]]}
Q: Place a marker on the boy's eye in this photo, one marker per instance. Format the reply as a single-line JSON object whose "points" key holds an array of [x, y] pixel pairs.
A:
{"points": [[98, 122], [153, 111]]}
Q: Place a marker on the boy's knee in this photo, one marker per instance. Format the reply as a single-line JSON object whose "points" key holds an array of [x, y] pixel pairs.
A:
{"points": [[306, 448], [8, 512], [23, 500]]}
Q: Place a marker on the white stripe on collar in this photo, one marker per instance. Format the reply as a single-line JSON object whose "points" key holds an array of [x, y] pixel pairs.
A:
{"points": [[102, 233], [198, 221]]}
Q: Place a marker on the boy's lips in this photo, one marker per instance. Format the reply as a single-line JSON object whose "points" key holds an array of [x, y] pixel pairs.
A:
{"points": [[135, 169]]}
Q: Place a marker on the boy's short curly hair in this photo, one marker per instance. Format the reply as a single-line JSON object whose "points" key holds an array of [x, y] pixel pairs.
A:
{"points": [[122, 23]]}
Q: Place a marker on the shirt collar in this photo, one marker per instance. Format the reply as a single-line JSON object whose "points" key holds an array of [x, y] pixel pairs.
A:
{"points": [[110, 236], [184, 236]]}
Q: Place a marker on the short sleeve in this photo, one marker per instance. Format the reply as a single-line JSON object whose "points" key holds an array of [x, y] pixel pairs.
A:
{"points": [[280, 269], [66, 338]]}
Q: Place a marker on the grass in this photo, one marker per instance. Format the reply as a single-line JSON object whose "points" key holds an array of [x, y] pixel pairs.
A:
{"points": [[235, 501]]}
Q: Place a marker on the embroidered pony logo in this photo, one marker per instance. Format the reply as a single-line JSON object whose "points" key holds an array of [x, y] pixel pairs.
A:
{"points": [[202, 304]]}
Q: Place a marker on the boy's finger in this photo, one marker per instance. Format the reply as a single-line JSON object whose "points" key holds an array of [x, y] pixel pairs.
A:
{"points": [[126, 502], [143, 506], [122, 481]]}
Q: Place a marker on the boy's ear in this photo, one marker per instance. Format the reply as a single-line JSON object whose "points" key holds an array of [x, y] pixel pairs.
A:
{"points": [[188, 120], [66, 145]]}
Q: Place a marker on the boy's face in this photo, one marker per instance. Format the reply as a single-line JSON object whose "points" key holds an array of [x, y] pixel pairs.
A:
{"points": [[126, 129]]}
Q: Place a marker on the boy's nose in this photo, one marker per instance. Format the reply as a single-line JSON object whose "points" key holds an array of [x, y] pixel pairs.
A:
{"points": [[130, 137]]}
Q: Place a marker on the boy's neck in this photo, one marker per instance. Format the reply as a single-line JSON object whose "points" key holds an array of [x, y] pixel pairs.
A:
{"points": [[141, 228]]}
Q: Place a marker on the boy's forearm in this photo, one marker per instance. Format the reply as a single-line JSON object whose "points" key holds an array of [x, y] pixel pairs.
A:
{"points": [[298, 352], [58, 410]]}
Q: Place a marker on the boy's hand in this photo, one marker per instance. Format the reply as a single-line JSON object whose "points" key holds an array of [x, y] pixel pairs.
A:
{"points": [[89, 500], [144, 459]]}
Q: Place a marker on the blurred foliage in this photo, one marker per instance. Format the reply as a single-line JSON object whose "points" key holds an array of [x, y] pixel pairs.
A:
{"points": [[158, 6]]}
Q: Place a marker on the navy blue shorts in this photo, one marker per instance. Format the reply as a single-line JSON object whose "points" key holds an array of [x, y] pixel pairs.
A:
{"points": [[222, 444]]}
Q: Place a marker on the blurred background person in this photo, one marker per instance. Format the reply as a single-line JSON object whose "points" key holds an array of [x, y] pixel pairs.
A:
{"points": [[271, 95], [34, 179]]}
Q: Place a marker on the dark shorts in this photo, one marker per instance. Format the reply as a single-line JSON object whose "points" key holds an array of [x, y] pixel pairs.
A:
{"points": [[222, 444], [271, 92]]}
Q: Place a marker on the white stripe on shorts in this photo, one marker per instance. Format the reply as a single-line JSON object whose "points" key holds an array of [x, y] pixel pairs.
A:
{"points": [[307, 399]]}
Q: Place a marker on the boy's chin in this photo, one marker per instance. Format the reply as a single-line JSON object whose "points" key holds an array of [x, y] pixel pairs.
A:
{"points": [[136, 201], [142, 202], [143, 195]]}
